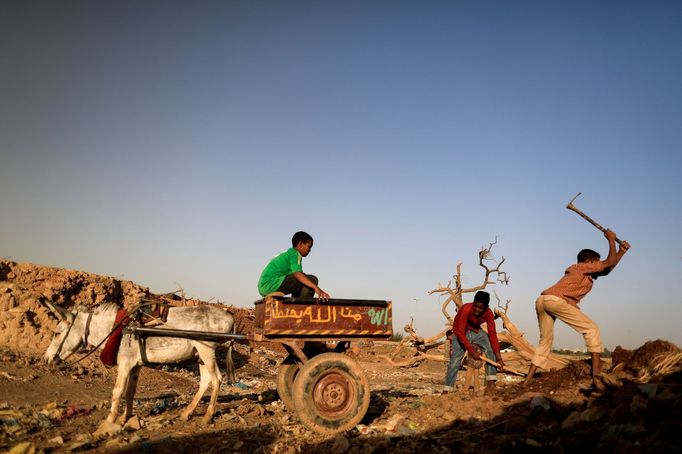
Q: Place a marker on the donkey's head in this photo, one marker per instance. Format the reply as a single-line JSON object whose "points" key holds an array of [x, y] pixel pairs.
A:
{"points": [[67, 336]]}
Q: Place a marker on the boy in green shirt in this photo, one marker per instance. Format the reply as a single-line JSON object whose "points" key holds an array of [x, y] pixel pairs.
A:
{"points": [[285, 273]]}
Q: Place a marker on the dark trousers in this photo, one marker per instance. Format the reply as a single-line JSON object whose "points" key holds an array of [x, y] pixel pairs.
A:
{"points": [[292, 287]]}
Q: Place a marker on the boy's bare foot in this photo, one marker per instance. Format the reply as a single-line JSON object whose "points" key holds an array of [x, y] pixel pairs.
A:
{"points": [[598, 384], [529, 377]]}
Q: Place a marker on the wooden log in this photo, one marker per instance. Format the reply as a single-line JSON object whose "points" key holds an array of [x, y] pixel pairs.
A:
{"points": [[516, 338]]}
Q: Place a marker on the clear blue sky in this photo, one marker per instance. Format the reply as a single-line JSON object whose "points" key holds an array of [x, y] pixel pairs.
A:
{"points": [[184, 143]]}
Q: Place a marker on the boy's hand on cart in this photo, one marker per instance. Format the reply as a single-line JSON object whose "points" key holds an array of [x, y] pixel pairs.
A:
{"points": [[321, 294]]}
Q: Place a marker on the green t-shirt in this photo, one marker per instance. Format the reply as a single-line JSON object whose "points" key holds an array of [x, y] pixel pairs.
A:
{"points": [[284, 264]]}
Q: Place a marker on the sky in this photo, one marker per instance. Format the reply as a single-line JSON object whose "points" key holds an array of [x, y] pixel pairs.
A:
{"points": [[181, 144]]}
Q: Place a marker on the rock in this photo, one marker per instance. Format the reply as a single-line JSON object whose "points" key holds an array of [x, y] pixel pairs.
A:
{"points": [[649, 389], [133, 424], [533, 443], [56, 440], [639, 404], [540, 402], [390, 425], [340, 445], [114, 443], [23, 448], [83, 441], [107, 429], [594, 413], [7, 301], [573, 419], [667, 393], [134, 439]]}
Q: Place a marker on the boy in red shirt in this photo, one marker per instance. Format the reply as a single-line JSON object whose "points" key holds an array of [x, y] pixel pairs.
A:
{"points": [[466, 331], [561, 301]]}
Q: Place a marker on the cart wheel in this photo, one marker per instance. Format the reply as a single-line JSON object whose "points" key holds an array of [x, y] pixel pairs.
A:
{"points": [[331, 393], [285, 383]]}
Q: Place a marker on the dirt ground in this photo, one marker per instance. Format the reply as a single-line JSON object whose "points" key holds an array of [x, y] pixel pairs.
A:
{"points": [[634, 407], [57, 409]]}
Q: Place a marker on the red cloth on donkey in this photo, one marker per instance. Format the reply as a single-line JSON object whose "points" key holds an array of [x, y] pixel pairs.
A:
{"points": [[110, 352]]}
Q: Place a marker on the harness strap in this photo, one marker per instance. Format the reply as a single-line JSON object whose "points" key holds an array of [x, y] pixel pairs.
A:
{"points": [[130, 312], [61, 344], [86, 331], [84, 339]]}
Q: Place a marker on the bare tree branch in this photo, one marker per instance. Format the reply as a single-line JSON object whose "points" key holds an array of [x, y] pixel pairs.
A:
{"points": [[453, 293]]}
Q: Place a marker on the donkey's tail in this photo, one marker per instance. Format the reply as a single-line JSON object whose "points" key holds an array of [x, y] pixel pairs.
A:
{"points": [[231, 376]]}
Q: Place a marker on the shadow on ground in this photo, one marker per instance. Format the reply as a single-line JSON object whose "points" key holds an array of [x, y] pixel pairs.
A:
{"points": [[632, 418]]}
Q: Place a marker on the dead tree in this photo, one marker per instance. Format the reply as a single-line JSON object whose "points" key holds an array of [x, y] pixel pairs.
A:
{"points": [[454, 291], [454, 294], [515, 337]]}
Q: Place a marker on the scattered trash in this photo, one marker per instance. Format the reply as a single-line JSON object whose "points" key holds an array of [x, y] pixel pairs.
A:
{"points": [[164, 405], [74, 410]]}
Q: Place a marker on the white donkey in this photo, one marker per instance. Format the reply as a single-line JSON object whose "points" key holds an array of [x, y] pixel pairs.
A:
{"points": [[91, 328]]}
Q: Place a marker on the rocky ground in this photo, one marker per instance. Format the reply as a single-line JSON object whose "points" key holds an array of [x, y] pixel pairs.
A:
{"points": [[635, 407], [59, 409]]}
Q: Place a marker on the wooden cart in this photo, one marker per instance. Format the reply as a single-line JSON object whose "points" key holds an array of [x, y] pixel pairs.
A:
{"points": [[326, 388]]}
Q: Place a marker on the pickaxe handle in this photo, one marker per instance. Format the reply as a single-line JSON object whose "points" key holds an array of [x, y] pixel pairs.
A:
{"points": [[572, 207], [505, 368]]}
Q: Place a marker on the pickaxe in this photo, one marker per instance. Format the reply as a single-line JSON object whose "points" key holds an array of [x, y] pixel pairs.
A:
{"points": [[505, 368], [572, 207]]}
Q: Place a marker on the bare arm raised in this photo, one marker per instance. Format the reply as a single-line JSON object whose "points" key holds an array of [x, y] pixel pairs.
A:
{"points": [[614, 256]]}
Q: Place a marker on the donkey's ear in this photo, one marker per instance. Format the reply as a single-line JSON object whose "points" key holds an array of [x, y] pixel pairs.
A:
{"points": [[56, 309]]}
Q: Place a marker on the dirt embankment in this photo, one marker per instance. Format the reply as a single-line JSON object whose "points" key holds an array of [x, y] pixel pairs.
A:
{"points": [[25, 321]]}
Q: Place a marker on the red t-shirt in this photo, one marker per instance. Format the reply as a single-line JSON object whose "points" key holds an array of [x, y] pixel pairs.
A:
{"points": [[466, 320]]}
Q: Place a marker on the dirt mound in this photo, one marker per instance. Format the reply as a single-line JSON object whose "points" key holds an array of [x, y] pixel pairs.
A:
{"points": [[643, 356], [575, 374], [25, 322]]}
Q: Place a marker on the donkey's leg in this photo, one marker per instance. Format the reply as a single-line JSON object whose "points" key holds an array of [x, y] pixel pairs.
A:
{"points": [[214, 375], [121, 385], [204, 380], [130, 392]]}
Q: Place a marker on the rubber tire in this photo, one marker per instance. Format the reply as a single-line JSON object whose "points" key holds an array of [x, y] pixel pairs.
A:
{"points": [[337, 366], [285, 383]]}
